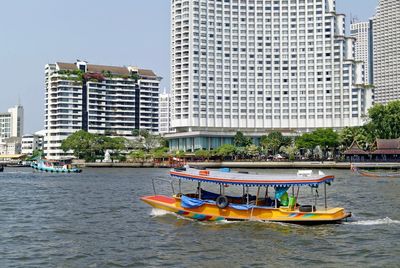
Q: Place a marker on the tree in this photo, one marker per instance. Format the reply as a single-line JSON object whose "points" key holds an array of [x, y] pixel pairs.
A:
{"points": [[81, 143], [160, 153], [240, 140], [252, 151], [291, 151], [325, 138], [138, 155], [226, 151], [135, 132], [37, 153], [384, 120], [274, 140], [203, 154]]}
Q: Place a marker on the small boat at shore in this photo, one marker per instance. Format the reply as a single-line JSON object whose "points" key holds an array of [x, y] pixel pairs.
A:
{"points": [[205, 205], [55, 166], [376, 171]]}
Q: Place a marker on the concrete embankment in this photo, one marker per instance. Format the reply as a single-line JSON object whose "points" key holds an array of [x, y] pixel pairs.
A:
{"points": [[294, 165]]}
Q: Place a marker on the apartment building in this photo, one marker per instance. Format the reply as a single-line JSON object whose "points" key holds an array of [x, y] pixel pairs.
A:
{"points": [[107, 100], [31, 143], [256, 66], [386, 40], [12, 122]]}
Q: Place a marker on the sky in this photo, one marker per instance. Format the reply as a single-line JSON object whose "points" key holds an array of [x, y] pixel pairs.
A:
{"points": [[118, 32]]}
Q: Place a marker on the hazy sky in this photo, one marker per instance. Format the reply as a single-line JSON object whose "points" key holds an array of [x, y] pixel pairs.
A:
{"points": [[118, 32]]}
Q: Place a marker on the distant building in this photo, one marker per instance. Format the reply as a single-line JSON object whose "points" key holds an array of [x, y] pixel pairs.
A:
{"points": [[10, 146], [30, 143], [100, 99], [165, 113], [12, 122], [386, 40], [362, 32]]}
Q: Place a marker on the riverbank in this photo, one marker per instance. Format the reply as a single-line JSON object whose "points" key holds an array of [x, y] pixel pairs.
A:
{"points": [[294, 165], [231, 164]]}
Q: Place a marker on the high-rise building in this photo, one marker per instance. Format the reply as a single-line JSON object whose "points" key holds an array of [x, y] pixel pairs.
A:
{"points": [[362, 32], [99, 99], [257, 66], [165, 114], [12, 122], [386, 40]]}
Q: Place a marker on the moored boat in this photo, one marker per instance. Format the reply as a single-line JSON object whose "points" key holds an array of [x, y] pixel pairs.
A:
{"points": [[55, 166], [210, 206]]}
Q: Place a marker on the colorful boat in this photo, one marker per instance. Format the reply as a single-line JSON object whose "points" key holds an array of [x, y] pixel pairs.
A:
{"points": [[210, 206], [55, 166]]}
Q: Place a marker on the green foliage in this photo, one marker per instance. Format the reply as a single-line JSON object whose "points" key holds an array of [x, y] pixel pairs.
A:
{"points": [[161, 152], [240, 140], [225, 151], [91, 146], [252, 150], [274, 140], [323, 137], [138, 155], [37, 153], [135, 132], [291, 151], [384, 120], [203, 154]]}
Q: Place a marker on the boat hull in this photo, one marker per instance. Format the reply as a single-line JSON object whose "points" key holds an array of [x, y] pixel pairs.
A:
{"points": [[210, 212], [56, 170]]}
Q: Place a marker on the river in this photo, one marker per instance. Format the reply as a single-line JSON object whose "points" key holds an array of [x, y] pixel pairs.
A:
{"points": [[95, 219]]}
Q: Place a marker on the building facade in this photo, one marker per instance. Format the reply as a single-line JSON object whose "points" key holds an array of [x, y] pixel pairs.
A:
{"points": [[362, 32], [165, 114], [10, 146], [257, 66], [12, 122], [100, 99], [386, 32], [31, 143]]}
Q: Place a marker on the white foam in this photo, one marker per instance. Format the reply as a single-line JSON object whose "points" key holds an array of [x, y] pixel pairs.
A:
{"points": [[159, 212], [374, 222]]}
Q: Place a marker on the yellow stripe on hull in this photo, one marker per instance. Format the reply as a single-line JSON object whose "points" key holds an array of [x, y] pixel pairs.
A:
{"points": [[211, 212]]}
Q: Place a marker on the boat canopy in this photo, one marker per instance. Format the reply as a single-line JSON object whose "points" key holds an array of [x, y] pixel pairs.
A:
{"points": [[232, 178]]}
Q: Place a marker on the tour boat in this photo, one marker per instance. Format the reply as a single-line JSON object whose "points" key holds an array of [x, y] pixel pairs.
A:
{"points": [[206, 205], [55, 166]]}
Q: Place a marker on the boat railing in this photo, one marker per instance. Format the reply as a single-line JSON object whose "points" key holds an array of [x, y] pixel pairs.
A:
{"points": [[154, 180]]}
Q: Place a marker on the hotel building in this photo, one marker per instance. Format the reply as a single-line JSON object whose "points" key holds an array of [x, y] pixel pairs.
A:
{"points": [[386, 32], [100, 99], [256, 66], [362, 32]]}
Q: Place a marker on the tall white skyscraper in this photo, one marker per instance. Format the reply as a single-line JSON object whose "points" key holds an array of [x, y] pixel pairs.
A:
{"points": [[106, 100], [362, 32], [386, 31], [258, 66]]}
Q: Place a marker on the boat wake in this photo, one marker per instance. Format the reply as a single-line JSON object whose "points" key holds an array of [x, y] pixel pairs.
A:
{"points": [[384, 221], [159, 212]]}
